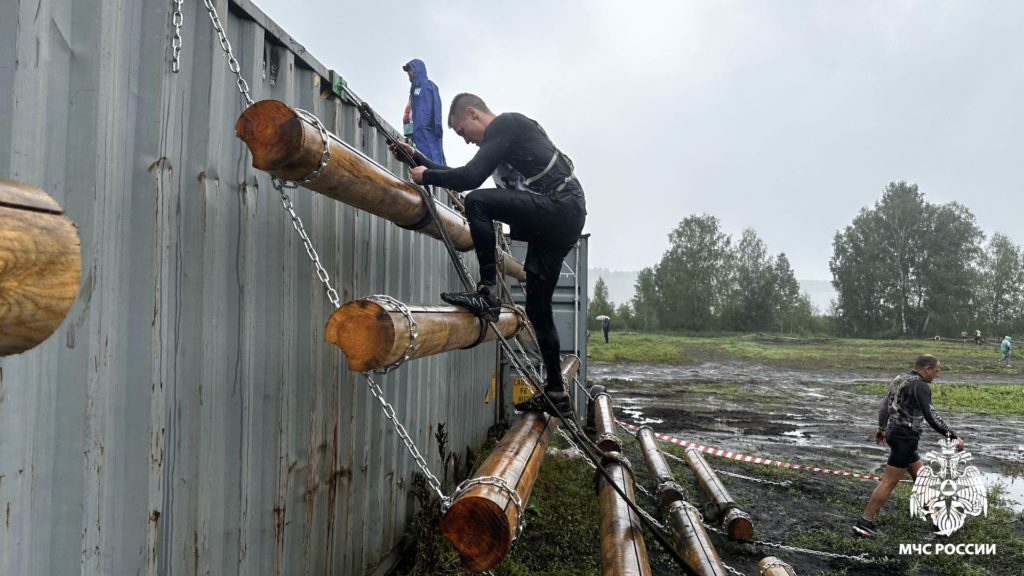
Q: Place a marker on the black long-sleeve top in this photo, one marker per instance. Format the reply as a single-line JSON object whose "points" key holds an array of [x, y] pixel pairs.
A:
{"points": [[912, 406]]}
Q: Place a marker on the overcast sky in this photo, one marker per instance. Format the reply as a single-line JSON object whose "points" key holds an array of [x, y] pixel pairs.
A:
{"points": [[783, 116]]}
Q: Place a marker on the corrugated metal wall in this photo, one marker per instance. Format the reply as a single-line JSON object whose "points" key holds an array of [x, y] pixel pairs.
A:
{"points": [[187, 417]]}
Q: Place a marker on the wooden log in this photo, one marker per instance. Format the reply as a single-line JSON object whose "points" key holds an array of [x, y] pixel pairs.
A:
{"points": [[482, 520], [287, 146], [376, 333], [40, 266], [720, 507], [623, 551], [604, 422], [688, 533], [772, 566]]}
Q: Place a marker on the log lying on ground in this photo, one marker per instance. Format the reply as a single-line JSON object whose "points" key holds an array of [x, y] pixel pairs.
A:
{"points": [[604, 424], [482, 520], [688, 533], [40, 266], [286, 146], [720, 507], [772, 566], [377, 333], [623, 551]]}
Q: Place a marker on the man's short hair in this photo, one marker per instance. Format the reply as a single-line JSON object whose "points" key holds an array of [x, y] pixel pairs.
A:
{"points": [[465, 100], [926, 361]]}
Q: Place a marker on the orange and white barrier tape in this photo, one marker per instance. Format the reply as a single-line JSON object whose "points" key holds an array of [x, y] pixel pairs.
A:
{"points": [[755, 459]]}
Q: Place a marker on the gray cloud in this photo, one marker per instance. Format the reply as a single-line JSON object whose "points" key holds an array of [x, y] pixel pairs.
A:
{"points": [[786, 117]]}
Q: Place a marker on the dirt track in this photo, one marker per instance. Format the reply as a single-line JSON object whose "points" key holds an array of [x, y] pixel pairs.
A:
{"points": [[809, 417]]}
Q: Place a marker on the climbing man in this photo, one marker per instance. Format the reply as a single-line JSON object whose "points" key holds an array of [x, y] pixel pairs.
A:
{"points": [[422, 118], [1005, 348], [907, 403], [539, 198]]}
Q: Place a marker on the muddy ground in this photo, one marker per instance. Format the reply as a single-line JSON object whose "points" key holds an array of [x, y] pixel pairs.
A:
{"points": [[803, 416]]}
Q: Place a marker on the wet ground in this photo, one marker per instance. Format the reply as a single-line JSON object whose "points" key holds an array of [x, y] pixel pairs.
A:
{"points": [[810, 417]]}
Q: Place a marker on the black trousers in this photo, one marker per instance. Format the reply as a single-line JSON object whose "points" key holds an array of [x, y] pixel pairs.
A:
{"points": [[551, 225]]}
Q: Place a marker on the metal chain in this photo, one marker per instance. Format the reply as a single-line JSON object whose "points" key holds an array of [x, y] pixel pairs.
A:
{"points": [[225, 44], [783, 483], [774, 564], [497, 482], [321, 272], [389, 412], [176, 20], [863, 557], [731, 569], [414, 329]]}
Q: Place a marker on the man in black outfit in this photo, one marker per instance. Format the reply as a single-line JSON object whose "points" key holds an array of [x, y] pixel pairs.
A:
{"points": [[539, 198], [906, 405]]}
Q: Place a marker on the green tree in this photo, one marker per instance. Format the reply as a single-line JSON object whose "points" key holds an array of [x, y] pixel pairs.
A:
{"points": [[904, 264], [599, 303], [646, 300], [1001, 296], [624, 317], [752, 299], [692, 278]]}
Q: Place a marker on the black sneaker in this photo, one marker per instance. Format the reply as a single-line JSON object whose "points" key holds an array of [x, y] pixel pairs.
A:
{"points": [[865, 527], [562, 404], [480, 302]]}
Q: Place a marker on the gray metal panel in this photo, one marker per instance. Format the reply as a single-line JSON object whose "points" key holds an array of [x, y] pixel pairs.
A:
{"points": [[188, 416]]}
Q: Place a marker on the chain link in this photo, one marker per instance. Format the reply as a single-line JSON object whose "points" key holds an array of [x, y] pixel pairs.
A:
{"points": [[176, 20], [225, 45], [321, 272], [774, 564], [783, 483], [863, 557], [414, 329], [731, 569], [389, 412], [499, 483]]}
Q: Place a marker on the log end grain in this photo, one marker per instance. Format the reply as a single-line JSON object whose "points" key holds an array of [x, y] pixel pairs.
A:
{"points": [[479, 529], [364, 331], [272, 131]]}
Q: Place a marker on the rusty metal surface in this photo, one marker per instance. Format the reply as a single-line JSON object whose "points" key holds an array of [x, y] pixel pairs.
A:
{"points": [[188, 417]]}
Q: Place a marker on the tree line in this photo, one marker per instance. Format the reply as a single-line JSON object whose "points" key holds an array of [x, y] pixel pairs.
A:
{"points": [[903, 267]]}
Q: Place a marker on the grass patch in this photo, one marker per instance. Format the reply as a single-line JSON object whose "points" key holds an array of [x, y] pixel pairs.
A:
{"points": [[985, 398], [636, 347]]}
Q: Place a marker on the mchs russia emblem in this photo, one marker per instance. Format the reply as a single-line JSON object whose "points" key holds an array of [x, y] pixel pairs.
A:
{"points": [[947, 490]]}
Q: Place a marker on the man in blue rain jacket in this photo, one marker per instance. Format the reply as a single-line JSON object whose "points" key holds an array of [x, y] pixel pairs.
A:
{"points": [[422, 118]]}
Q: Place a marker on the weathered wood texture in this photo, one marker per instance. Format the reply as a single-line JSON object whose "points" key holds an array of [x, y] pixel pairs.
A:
{"points": [[482, 520], [623, 551], [772, 566], [40, 266], [285, 145], [374, 334], [720, 507], [604, 421], [688, 533]]}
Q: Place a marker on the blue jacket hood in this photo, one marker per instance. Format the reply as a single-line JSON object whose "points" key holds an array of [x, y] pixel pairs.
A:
{"points": [[419, 71]]}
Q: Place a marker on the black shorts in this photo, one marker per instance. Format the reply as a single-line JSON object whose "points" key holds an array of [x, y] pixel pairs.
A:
{"points": [[903, 444]]}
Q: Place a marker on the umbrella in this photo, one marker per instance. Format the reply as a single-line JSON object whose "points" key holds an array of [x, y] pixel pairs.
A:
{"points": [[601, 317]]}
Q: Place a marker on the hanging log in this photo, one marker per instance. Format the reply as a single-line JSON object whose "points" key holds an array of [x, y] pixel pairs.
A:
{"points": [[604, 421], [376, 333], [623, 551], [721, 506], [772, 566], [40, 266], [688, 533], [482, 520], [286, 146]]}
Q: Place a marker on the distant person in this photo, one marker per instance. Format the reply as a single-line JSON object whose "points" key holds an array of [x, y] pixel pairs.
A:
{"points": [[1005, 348], [422, 119], [907, 403], [963, 336], [977, 337], [605, 327]]}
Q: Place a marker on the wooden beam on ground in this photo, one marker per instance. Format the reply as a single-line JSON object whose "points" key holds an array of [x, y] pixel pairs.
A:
{"points": [[688, 534], [720, 507], [772, 566], [604, 424], [287, 146], [40, 266], [623, 551], [377, 333], [482, 520]]}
